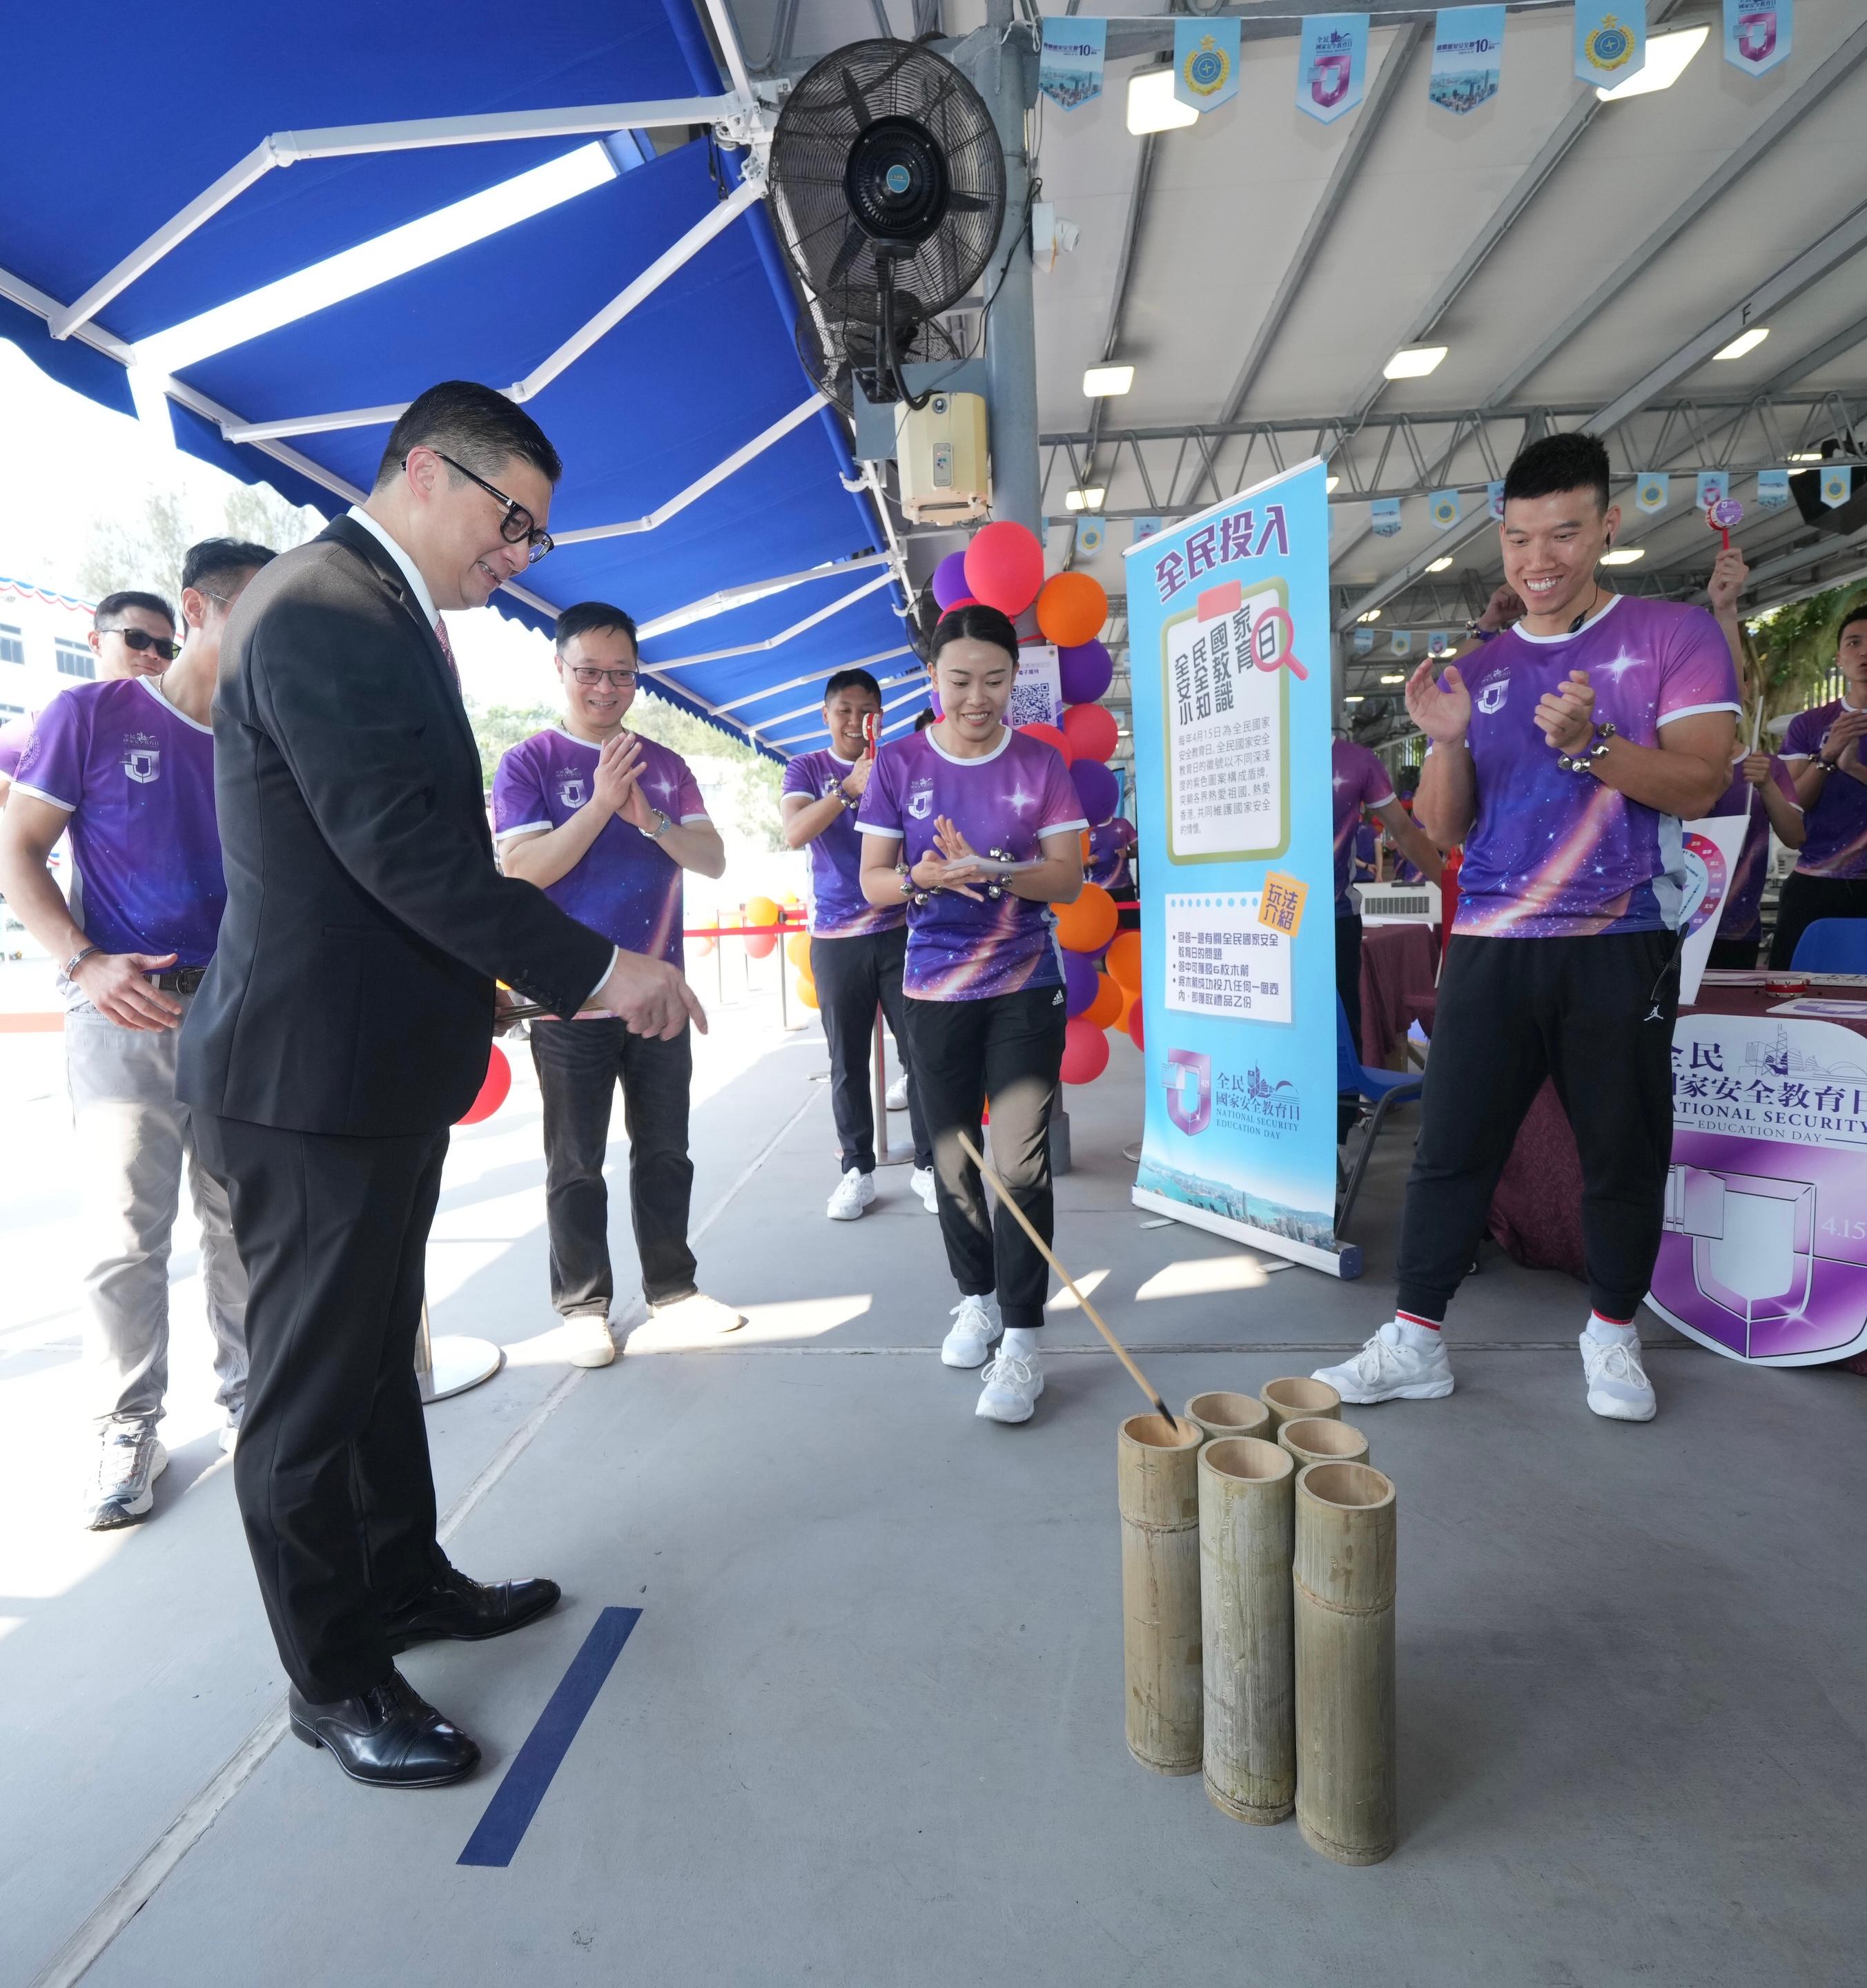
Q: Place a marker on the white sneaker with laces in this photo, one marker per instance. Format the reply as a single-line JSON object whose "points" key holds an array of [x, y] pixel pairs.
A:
{"points": [[588, 1333], [897, 1094], [852, 1193], [697, 1313], [921, 1180], [976, 1324], [1617, 1385], [128, 1464], [1013, 1381], [1390, 1369]]}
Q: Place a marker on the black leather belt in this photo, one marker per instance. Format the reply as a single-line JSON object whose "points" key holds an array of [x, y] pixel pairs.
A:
{"points": [[179, 979]]}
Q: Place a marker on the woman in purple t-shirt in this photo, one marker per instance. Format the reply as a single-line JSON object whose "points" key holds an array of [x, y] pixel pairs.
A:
{"points": [[1822, 751], [975, 827]]}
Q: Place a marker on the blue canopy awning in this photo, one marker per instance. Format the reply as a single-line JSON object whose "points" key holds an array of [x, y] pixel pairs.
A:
{"points": [[689, 423]]}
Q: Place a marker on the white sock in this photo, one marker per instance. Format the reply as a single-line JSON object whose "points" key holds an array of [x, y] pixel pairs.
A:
{"points": [[1608, 1333], [1420, 1337], [1019, 1342]]}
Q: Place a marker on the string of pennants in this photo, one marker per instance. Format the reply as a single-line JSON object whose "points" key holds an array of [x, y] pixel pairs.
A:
{"points": [[1468, 51]]}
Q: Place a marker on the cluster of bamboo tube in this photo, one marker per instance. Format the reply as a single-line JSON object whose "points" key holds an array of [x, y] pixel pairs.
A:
{"points": [[1257, 1575]]}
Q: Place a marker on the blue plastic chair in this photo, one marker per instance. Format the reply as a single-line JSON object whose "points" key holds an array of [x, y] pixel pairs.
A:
{"points": [[1383, 1089], [1833, 945]]}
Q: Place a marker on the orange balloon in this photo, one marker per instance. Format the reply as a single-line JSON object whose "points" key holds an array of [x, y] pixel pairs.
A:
{"points": [[1071, 609], [702, 947], [1105, 1010], [806, 992], [761, 912], [1127, 1009], [797, 951], [1124, 960], [1088, 923]]}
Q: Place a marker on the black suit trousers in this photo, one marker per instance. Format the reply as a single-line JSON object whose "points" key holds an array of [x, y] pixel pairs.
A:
{"points": [[332, 1471]]}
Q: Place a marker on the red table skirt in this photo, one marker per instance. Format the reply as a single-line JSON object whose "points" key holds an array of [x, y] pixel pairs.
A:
{"points": [[1397, 961]]}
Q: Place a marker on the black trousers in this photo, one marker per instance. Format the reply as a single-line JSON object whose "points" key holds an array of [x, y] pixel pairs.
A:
{"points": [[332, 1471], [1596, 1016], [1805, 900], [1349, 985], [1740, 953], [854, 976], [579, 1065], [1008, 1047]]}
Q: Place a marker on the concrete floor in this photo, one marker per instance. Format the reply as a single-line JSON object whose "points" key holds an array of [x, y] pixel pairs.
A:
{"points": [[868, 1729]]}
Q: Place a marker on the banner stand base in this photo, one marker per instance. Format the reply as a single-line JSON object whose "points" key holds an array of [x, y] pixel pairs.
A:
{"points": [[1344, 1261]]}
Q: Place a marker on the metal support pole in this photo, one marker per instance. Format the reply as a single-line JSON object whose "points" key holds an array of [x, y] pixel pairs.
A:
{"points": [[453, 1363], [883, 1157]]}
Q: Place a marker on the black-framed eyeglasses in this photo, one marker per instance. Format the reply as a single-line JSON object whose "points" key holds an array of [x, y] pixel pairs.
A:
{"points": [[140, 639], [518, 525], [589, 675]]}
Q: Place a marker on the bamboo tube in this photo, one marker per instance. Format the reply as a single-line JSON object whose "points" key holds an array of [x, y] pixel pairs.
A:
{"points": [[1315, 1439], [1221, 1414], [1344, 1589], [1158, 1481], [1288, 1399], [1246, 1521]]}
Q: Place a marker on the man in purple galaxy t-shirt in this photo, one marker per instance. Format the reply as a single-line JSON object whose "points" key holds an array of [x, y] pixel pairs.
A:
{"points": [[858, 949], [1564, 756], [604, 821], [125, 765], [1822, 750]]}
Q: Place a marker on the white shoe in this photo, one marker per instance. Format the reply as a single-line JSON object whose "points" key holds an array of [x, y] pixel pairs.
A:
{"points": [[590, 1344], [128, 1464], [1388, 1368], [976, 1325], [697, 1313], [1013, 1381], [897, 1094], [853, 1192], [1617, 1385], [921, 1180]]}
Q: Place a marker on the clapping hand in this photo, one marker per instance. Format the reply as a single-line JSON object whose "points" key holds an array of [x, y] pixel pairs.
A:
{"points": [[1840, 748], [1565, 716], [1443, 712], [950, 865], [618, 759]]}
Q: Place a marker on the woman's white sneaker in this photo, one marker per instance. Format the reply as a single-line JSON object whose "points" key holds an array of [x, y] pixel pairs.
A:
{"points": [[854, 1191], [897, 1094], [976, 1324], [1013, 1381], [1617, 1385], [588, 1335], [921, 1180], [1391, 1368]]}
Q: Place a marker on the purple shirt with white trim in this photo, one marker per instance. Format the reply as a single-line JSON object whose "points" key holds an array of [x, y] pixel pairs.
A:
{"points": [[1743, 895], [136, 777], [1360, 781], [625, 886], [838, 909], [1837, 820], [1557, 855], [962, 949], [1108, 853]]}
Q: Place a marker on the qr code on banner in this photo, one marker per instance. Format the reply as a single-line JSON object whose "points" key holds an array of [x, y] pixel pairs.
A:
{"points": [[1221, 960], [1226, 740], [1036, 696]]}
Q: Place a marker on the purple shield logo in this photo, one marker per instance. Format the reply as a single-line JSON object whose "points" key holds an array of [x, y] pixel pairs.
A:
{"points": [[1756, 36], [1189, 1089], [1329, 76]]}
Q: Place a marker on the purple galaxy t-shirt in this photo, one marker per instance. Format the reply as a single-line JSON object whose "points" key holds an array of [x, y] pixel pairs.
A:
{"points": [[1836, 845], [962, 949], [838, 909], [1743, 896], [1557, 855], [1108, 853], [1360, 781], [626, 886], [136, 778]]}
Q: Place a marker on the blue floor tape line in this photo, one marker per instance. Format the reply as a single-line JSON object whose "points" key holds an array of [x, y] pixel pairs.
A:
{"points": [[515, 1802]]}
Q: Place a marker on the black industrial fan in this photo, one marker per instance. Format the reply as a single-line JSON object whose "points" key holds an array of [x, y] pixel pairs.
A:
{"points": [[891, 179]]}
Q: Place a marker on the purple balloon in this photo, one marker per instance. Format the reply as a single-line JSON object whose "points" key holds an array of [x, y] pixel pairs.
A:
{"points": [[1087, 671], [1097, 789], [1079, 979], [933, 698], [949, 581]]}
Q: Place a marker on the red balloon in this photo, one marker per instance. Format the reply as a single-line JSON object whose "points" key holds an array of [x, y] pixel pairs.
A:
{"points": [[1085, 1051], [498, 1082], [1137, 1032], [954, 606], [1051, 737], [1091, 730], [1004, 567]]}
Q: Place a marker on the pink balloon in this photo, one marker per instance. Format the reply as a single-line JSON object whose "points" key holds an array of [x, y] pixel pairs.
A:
{"points": [[1091, 730], [1137, 1033], [1085, 1051], [1004, 567]]}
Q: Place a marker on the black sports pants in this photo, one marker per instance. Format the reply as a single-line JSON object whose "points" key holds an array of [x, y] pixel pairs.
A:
{"points": [[332, 1471], [1008, 1047], [854, 976], [1596, 1016], [1805, 900]]}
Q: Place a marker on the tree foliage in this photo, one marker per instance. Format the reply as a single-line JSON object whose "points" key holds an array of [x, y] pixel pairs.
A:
{"points": [[1794, 650], [147, 554]]}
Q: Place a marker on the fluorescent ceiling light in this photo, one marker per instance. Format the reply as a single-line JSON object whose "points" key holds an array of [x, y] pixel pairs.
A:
{"points": [[1808, 455], [1352, 700], [1398, 677], [1101, 381], [1666, 58], [352, 270], [1329, 483], [1091, 498], [1373, 614], [1745, 341], [1414, 362], [1152, 105], [1441, 563], [1624, 556]]}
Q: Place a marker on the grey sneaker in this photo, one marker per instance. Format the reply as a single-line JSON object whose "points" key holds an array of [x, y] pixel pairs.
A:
{"points": [[128, 1464]]}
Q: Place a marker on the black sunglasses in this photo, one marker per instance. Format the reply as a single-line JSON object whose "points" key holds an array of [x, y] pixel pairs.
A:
{"points": [[139, 639], [518, 523]]}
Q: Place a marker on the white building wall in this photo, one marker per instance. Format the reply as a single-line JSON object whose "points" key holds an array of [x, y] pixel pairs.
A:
{"points": [[42, 646]]}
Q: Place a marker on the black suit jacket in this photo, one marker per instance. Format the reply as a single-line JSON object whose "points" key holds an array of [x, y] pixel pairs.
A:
{"points": [[352, 988]]}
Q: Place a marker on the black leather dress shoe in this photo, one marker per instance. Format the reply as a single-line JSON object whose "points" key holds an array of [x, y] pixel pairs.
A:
{"points": [[389, 1736], [468, 1611]]}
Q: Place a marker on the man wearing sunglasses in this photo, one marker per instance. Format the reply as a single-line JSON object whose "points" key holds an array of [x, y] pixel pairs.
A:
{"points": [[345, 1025], [126, 766], [132, 634], [605, 823]]}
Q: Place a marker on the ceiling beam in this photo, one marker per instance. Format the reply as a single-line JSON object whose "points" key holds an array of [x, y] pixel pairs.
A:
{"points": [[1118, 303]]}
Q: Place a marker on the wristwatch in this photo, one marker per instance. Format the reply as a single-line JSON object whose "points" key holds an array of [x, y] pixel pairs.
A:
{"points": [[664, 823]]}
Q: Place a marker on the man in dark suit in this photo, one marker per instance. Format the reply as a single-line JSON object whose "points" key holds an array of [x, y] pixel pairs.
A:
{"points": [[344, 1026]]}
